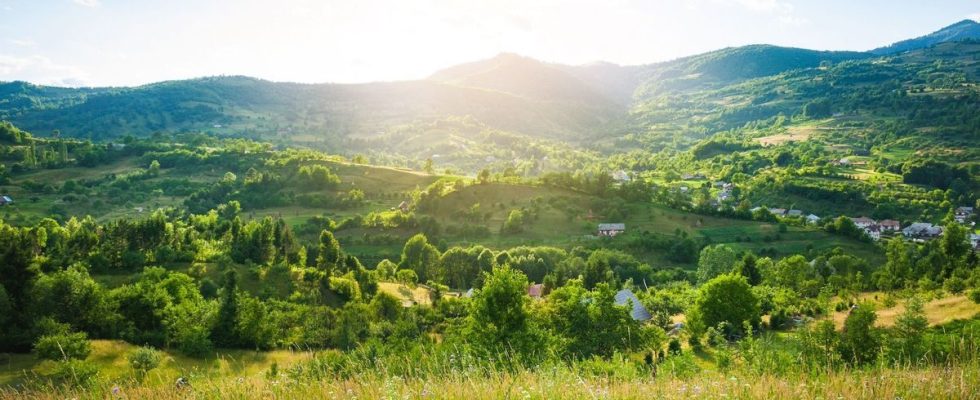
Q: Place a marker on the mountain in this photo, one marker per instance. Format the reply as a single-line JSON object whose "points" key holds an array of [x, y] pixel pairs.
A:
{"points": [[597, 83], [966, 29], [513, 109]]}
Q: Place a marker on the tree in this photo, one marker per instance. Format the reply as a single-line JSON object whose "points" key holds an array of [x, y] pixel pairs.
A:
{"points": [[860, 342], [908, 331], [154, 169], [225, 331], [428, 167], [484, 176], [420, 256], [715, 260], [725, 299], [329, 252], [898, 265], [514, 222], [750, 270], [499, 318]]}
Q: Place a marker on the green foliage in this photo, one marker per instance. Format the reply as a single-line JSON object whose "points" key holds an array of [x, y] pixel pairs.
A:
{"points": [[715, 260], [144, 359], [860, 340], [63, 346], [499, 318], [727, 303]]}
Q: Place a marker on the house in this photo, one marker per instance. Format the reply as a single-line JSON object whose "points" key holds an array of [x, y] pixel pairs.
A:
{"points": [[469, 293], [890, 225], [975, 241], [874, 232], [4, 200], [754, 209], [638, 312], [611, 229], [919, 230], [812, 219], [693, 177], [536, 291], [962, 214], [725, 194], [720, 184], [863, 222], [779, 212], [403, 206], [794, 213], [621, 176]]}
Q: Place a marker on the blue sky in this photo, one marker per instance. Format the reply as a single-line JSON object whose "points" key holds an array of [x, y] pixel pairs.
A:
{"points": [[131, 42]]}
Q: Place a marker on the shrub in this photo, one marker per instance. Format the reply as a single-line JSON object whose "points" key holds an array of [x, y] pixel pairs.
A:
{"points": [[144, 359], [63, 346]]}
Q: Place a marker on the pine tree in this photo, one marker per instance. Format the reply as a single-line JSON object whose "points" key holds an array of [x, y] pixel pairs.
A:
{"points": [[225, 332]]}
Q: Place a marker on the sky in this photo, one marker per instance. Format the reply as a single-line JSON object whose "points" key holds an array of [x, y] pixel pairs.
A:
{"points": [[134, 42]]}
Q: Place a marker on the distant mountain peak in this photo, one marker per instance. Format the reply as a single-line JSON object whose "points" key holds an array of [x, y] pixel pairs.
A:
{"points": [[963, 30]]}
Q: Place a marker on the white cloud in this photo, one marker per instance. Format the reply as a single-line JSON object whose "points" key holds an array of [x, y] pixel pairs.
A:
{"points": [[40, 69], [88, 3]]}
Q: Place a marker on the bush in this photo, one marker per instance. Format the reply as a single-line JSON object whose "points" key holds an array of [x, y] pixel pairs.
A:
{"points": [[144, 359], [974, 295], [954, 285], [63, 346]]}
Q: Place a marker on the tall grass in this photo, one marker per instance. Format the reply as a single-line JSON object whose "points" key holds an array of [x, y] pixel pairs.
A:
{"points": [[552, 382]]}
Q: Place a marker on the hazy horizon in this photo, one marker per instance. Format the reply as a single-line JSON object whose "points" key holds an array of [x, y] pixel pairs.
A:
{"points": [[111, 43]]}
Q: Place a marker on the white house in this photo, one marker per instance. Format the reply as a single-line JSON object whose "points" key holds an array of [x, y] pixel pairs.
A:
{"points": [[611, 229], [863, 222], [812, 219], [874, 232]]}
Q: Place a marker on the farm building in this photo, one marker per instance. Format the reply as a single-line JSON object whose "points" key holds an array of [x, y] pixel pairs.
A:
{"points": [[611, 229]]}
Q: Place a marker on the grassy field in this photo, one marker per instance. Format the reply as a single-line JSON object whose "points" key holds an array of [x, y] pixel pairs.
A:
{"points": [[110, 357], [954, 382], [938, 311]]}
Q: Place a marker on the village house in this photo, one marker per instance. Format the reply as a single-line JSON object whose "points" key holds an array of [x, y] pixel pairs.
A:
{"points": [[611, 229], [536, 291], [724, 195], [5, 200], [874, 232], [922, 230], [693, 177], [863, 222], [890, 225], [403, 206], [794, 213], [975, 241], [812, 219], [779, 212], [963, 214], [638, 312], [621, 176]]}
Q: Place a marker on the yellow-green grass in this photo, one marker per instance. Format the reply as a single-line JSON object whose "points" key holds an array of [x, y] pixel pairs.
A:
{"points": [[953, 382], [938, 311], [406, 294], [109, 356]]}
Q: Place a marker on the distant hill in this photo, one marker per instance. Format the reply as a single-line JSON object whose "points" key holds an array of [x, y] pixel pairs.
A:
{"points": [[964, 30], [514, 111]]}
